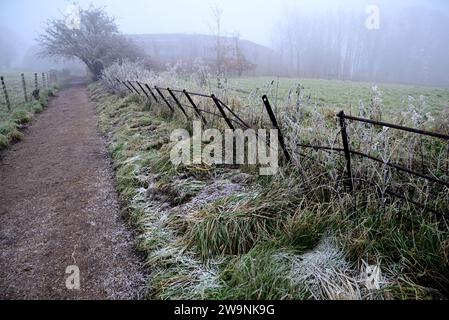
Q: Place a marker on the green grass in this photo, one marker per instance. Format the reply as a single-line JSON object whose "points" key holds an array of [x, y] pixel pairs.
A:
{"points": [[260, 274], [343, 94], [204, 236], [21, 113]]}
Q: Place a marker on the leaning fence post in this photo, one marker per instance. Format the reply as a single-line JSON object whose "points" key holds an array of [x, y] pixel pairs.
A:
{"points": [[194, 106], [177, 102], [124, 83], [225, 117], [143, 90], [5, 92], [129, 82], [344, 137], [151, 91], [276, 126], [24, 87], [163, 98]]}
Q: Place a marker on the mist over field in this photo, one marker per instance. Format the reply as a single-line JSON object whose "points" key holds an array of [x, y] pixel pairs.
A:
{"points": [[313, 39], [224, 150]]}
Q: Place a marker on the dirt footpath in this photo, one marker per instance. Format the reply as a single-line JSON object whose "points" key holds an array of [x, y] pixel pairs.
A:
{"points": [[58, 208]]}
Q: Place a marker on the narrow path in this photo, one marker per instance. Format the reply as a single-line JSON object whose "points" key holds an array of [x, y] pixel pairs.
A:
{"points": [[58, 208]]}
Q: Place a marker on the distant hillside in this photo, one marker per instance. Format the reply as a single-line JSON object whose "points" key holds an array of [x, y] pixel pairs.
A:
{"points": [[169, 48]]}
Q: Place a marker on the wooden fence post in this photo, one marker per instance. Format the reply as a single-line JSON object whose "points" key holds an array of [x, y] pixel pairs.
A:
{"points": [[36, 83], [5, 92], [24, 86], [44, 84]]}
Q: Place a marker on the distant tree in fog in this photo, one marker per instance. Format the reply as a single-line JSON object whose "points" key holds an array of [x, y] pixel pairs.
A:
{"points": [[237, 61], [409, 47], [220, 50], [96, 41], [229, 56]]}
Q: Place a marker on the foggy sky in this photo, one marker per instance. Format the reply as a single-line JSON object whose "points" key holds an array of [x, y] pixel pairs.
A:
{"points": [[315, 38], [254, 19]]}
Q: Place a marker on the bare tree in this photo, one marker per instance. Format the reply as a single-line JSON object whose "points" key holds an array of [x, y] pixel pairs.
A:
{"points": [[96, 42], [217, 13], [238, 62], [336, 43]]}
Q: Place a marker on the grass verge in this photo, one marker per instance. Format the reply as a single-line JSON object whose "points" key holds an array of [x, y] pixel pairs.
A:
{"points": [[12, 122], [224, 233]]}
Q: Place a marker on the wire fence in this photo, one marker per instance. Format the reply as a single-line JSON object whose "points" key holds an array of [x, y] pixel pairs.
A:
{"points": [[182, 100], [17, 89]]}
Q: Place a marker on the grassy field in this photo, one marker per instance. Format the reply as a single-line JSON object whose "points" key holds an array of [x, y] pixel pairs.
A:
{"points": [[222, 232], [340, 95]]}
